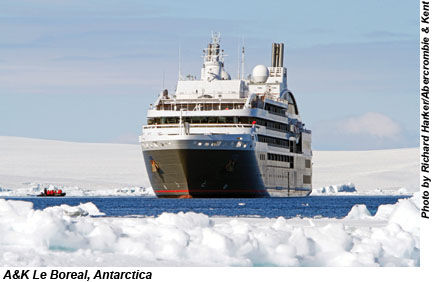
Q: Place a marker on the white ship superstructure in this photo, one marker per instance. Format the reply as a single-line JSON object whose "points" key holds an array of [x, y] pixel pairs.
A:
{"points": [[223, 137]]}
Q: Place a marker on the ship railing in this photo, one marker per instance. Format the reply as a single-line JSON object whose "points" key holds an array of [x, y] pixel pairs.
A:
{"points": [[200, 104], [199, 125]]}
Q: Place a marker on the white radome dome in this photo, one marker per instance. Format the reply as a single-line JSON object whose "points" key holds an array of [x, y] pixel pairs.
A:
{"points": [[260, 74]]}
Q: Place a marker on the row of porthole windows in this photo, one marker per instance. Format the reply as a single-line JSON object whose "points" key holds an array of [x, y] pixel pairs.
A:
{"points": [[237, 144]]}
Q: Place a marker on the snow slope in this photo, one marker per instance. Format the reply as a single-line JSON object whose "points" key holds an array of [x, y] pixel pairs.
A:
{"points": [[368, 170], [27, 165], [26, 162], [68, 236]]}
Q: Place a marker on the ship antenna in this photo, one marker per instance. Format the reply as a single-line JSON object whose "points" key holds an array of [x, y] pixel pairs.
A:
{"points": [[242, 60], [179, 63], [238, 58]]}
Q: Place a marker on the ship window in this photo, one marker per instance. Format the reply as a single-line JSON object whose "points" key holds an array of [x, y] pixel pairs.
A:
{"points": [[307, 179], [275, 109], [277, 157], [243, 120], [195, 120], [278, 126], [307, 163], [291, 146], [272, 141]]}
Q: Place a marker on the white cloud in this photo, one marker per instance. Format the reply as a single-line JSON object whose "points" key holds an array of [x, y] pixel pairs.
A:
{"points": [[368, 131], [374, 124]]}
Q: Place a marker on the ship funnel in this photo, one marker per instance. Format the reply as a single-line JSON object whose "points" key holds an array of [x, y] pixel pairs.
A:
{"points": [[277, 55]]}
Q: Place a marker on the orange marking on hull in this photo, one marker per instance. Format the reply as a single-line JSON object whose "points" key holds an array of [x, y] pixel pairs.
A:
{"points": [[172, 191]]}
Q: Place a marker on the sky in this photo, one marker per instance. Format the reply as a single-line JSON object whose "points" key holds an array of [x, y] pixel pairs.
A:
{"points": [[87, 70]]}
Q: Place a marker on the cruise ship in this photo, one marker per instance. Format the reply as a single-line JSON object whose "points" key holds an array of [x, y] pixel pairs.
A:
{"points": [[222, 137]]}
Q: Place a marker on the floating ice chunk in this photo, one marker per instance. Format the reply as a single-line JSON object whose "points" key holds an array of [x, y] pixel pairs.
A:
{"points": [[74, 211], [402, 191], [405, 214], [91, 209], [384, 212], [135, 191], [335, 189], [4, 189], [15, 208], [359, 212], [350, 187]]}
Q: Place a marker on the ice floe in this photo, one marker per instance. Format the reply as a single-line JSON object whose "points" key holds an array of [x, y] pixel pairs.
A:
{"points": [[71, 236], [349, 189], [334, 189]]}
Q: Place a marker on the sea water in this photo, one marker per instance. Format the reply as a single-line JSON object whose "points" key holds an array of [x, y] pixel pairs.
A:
{"points": [[313, 206]]}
